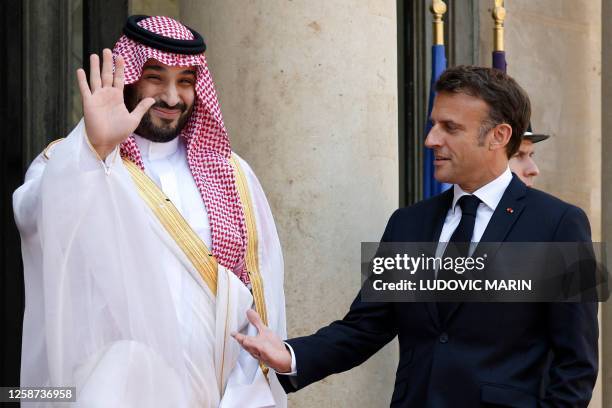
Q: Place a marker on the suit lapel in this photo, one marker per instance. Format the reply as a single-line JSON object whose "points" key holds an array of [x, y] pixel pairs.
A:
{"points": [[505, 215], [507, 212], [433, 235], [438, 216]]}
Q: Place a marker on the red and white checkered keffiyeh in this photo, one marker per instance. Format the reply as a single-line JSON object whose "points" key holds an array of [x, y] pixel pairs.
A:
{"points": [[208, 147]]}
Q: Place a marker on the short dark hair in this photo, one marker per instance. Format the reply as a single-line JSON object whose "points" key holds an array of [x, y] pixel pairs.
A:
{"points": [[508, 102]]}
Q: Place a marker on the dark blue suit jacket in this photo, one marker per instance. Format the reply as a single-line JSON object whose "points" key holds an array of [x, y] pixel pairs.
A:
{"points": [[483, 354]]}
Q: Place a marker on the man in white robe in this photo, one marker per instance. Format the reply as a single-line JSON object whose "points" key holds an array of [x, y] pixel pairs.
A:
{"points": [[145, 240]]}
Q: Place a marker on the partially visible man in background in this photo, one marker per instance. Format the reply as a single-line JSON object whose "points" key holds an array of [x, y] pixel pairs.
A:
{"points": [[522, 163]]}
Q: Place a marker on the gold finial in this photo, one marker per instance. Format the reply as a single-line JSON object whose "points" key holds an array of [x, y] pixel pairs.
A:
{"points": [[499, 15], [438, 8]]}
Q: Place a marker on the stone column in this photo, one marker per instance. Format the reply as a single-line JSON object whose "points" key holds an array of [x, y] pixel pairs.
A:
{"points": [[606, 193], [308, 90]]}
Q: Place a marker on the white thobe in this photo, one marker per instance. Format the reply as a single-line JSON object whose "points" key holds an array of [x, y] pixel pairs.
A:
{"points": [[125, 317]]}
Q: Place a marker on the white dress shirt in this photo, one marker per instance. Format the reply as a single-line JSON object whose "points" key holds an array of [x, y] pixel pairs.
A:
{"points": [[490, 195]]}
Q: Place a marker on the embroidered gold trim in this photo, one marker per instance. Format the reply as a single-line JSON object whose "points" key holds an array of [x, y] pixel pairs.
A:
{"points": [[174, 223], [47, 150], [252, 258], [191, 244], [220, 383]]}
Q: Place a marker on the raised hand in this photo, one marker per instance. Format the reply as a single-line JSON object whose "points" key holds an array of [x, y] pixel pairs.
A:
{"points": [[266, 346], [107, 119]]}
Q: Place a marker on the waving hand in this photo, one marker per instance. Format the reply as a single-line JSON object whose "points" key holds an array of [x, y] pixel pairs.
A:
{"points": [[107, 119]]}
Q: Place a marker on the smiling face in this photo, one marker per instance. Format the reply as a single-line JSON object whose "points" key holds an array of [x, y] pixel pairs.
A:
{"points": [[468, 150], [173, 89], [522, 163]]}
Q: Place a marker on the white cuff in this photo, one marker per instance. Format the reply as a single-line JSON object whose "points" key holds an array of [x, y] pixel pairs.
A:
{"points": [[293, 371], [109, 160]]}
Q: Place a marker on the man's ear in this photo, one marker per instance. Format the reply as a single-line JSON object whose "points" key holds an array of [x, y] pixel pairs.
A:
{"points": [[500, 136]]}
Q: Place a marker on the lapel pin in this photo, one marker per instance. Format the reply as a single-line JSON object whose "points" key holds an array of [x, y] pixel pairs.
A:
{"points": [[509, 210]]}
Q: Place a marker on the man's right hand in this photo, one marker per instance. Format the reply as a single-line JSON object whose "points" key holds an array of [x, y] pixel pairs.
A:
{"points": [[266, 347], [107, 119]]}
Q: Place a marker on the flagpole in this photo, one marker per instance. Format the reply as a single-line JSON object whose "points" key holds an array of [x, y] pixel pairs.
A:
{"points": [[431, 186], [499, 53], [499, 15], [438, 8]]}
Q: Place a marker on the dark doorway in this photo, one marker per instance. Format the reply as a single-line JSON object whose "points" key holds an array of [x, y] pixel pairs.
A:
{"points": [[11, 174], [41, 45], [414, 40]]}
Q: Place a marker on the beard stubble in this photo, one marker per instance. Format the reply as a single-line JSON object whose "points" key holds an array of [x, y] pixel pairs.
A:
{"points": [[149, 130]]}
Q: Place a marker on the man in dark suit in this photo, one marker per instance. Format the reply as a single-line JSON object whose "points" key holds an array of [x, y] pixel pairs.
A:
{"points": [[464, 354]]}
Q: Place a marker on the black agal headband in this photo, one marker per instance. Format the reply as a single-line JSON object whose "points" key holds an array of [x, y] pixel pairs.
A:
{"points": [[135, 32]]}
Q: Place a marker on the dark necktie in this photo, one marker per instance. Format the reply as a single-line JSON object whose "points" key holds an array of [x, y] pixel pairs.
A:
{"points": [[459, 243]]}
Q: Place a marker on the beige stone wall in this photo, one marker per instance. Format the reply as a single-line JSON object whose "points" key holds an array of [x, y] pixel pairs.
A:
{"points": [[606, 372], [553, 50], [308, 91], [168, 8]]}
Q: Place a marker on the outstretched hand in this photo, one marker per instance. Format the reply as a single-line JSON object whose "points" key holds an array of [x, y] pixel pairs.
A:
{"points": [[266, 347], [107, 119]]}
